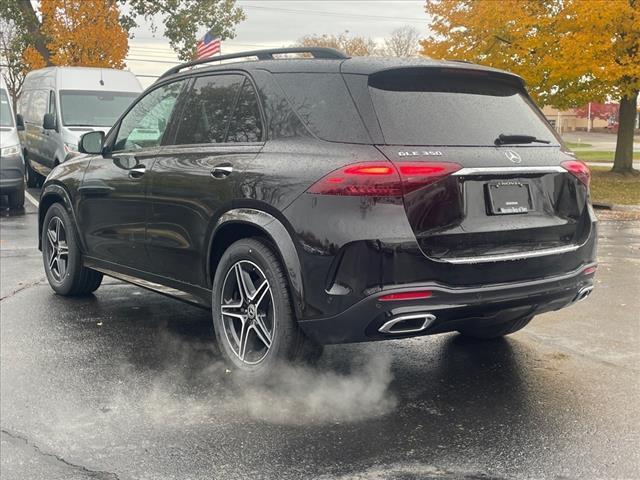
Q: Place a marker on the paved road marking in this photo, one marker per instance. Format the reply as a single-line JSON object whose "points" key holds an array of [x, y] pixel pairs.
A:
{"points": [[29, 197]]}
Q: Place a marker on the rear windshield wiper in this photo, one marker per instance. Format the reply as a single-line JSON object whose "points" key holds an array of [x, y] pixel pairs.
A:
{"points": [[504, 139]]}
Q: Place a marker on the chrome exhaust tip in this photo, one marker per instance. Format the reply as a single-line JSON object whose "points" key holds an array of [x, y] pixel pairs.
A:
{"points": [[407, 324], [583, 293]]}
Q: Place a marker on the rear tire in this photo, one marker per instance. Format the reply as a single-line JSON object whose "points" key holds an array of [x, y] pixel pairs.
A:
{"points": [[16, 199], [258, 330], [488, 332], [61, 256]]}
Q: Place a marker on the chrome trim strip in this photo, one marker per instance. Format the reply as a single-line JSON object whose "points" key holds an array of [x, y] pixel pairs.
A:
{"points": [[511, 256], [428, 320], [507, 170]]}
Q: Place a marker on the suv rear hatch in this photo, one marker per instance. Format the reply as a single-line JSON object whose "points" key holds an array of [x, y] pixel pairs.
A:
{"points": [[491, 201]]}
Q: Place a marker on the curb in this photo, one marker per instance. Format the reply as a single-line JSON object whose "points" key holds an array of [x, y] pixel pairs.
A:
{"points": [[612, 206]]}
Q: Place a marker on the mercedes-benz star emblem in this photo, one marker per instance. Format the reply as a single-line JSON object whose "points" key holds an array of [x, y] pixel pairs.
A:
{"points": [[513, 156]]}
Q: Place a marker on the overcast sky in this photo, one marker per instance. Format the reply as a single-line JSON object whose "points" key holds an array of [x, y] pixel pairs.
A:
{"points": [[281, 22]]}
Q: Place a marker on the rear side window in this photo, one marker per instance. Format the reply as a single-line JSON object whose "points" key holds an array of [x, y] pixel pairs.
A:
{"points": [[323, 103], [435, 108], [6, 119], [246, 124], [207, 113]]}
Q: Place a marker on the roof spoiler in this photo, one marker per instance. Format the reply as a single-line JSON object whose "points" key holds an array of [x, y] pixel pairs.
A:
{"points": [[315, 52]]}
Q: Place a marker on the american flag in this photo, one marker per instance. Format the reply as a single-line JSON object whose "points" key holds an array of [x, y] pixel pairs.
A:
{"points": [[209, 45]]}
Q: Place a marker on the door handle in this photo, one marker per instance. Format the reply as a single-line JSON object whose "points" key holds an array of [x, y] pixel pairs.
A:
{"points": [[137, 172], [221, 171]]}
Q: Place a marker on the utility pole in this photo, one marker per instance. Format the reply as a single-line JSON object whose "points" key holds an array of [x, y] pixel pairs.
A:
{"points": [[589, 119]]}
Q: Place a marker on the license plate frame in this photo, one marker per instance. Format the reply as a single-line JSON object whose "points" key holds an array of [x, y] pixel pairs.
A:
{"points": [[508, 197]]}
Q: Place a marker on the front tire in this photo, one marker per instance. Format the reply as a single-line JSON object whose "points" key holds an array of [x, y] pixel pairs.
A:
{"points": [[488, 332], [61, 256], [254, 321]]}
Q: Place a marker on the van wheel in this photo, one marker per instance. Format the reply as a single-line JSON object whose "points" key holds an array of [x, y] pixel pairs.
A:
{"points": [[32, 178], [16, 199], [255, 324], [488, 332], [61, 255]]}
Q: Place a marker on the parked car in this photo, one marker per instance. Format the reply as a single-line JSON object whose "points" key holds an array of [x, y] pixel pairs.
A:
{"points": [[327, 200], [58, 104], [11, 161]]}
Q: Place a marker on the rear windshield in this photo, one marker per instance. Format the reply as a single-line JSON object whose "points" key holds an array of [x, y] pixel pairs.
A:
{"points": [[6, 119], [93, 108], [324, 104], [418, 108]]}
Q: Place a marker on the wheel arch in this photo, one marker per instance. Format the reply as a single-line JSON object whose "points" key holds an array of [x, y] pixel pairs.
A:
{"points": [[241, 223], [54, 193]]}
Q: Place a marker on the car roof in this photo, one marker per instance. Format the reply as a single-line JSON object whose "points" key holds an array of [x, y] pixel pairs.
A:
{"points": [[354, 65]]}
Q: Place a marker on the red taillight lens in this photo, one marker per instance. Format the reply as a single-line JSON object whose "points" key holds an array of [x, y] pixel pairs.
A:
{"points": [[578, 170], [417, 295], [590, 270], [382, 179]]}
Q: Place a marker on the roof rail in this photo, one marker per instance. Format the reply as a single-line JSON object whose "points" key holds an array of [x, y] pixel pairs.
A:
{"points": [[316, 52]]}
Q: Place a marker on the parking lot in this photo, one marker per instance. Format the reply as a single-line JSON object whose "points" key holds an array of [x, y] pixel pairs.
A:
{"points": [[126, 384]]}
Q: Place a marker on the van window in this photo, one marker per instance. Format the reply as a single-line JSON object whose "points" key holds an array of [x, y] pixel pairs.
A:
{"points": [[23, 105], [433, 108], [205, 117], [324, 104], [82, 108], [39, 102], [6, 119], [144, 125]]}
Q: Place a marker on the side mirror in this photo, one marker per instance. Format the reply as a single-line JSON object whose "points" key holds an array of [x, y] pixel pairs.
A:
{"points": [[49, 121], [19, 122], [91, 142]]}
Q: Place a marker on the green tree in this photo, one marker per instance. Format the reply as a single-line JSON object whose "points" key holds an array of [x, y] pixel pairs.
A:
{"points": [[570, 52]]}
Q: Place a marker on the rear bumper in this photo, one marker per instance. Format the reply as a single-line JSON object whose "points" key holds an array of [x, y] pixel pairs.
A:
{"points": [[450, 307]]}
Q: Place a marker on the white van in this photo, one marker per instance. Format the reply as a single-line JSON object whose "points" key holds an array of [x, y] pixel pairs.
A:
{"points": [[11, 162], [59, 104]]}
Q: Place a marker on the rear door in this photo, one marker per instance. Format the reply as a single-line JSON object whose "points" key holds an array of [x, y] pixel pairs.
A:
{"points": [[198, 174], [113, 206], [485, 199]]}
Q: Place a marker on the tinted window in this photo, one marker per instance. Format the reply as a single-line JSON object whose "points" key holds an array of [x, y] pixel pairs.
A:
{"points": [[144, 125], [246, 125], [93, 109], [207, 113], [6, 119], [423, 109], [324, 104]]}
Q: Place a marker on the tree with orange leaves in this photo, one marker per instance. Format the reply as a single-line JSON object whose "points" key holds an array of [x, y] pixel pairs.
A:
{"points": [[570, 52], [84, 32]]}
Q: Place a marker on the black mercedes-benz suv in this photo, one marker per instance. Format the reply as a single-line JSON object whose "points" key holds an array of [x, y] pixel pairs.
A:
{"points": [[326, 199]]}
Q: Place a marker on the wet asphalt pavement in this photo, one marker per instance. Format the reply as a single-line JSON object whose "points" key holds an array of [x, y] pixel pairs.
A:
{"points": [[127, 385]]}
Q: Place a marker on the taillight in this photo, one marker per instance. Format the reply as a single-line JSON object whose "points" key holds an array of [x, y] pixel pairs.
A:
{"points": [[578, 170], [415, 295], [382, 179]]}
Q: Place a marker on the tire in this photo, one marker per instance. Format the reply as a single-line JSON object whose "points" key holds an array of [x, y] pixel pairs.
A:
{"points": [[271, 333], [16, 199], [488, 332], [33, 179], [61, 256]]}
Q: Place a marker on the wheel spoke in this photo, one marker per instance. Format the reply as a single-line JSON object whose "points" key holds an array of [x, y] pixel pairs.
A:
{"points": [[57, 230], [259, 293], [233, 311], [262, 332], [242, 285], [244, 336], [53, 259], [51, 236], [63, 249]]}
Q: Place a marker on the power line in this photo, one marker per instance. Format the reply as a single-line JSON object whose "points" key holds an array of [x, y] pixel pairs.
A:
{"points": [[336, 14]]}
